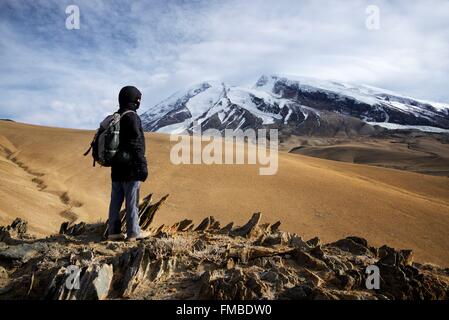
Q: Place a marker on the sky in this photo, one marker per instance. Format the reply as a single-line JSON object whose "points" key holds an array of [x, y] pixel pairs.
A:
{"points": [[51, 75]]}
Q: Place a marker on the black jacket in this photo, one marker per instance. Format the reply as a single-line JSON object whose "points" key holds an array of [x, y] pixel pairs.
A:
{"points": [[130, 163]]}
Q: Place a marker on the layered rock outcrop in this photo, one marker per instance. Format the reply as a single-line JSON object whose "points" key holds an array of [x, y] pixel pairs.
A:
{"points": [[208, 261]]}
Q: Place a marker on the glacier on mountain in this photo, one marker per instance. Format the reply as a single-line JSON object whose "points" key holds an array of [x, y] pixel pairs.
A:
{"points": [[295, 105]]}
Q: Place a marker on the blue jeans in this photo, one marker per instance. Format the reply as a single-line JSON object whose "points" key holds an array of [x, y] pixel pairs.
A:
{"points": [[121, 190]]}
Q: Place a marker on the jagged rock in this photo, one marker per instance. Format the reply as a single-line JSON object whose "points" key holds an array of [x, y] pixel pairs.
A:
{"points": [[64, 227], [297, 242], [96, 282], [199, 245], [318, 252], [61, 286], [308, 261], [182, 225], [159, 230], [4, 235], [246, 254], [162, 235], [22, 253], [17, 229], [72, 229], [270, 262], [359, 240], [270, 276], [300, 292], [84, 258], [134, 262], [390, 259], [384, 251], [208, 224], [396, 258], [226, 229], [345, 282], [103, 251], [313, 242], [336, 264], [248, 228], [20, 226], [215, 225], [407, 257], [232, 284], [313, 278], [204, 225], [354, 245], [142, 266], [275, 239], [265, 228], [147, 216], [93, 283], [275, 227], [212, 264], [279, 276], [401, 280]]}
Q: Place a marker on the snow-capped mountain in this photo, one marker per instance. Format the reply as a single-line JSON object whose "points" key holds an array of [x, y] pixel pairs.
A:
{"points": [[294, 106]]}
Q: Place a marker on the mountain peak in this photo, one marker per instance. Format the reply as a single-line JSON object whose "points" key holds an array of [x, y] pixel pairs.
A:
{"points": [[263, 80], [294, 105]]}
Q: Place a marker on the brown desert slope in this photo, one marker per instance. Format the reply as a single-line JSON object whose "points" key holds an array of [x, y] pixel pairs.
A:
{"points": [[46, 180], [423, 153]]}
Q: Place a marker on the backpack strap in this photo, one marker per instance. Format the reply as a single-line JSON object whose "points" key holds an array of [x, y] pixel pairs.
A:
{"points": [[88, 150], [127, 111], [91, 144]]}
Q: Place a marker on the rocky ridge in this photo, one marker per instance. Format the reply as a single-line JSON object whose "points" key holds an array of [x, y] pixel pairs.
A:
{"points": [[207, 261]]}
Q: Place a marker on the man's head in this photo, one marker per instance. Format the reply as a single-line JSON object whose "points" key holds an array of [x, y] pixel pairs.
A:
{"points": [[129, 97]]}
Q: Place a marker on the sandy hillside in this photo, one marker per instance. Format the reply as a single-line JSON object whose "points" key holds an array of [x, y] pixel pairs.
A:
{"points": [[421, 153], [45, 179]]}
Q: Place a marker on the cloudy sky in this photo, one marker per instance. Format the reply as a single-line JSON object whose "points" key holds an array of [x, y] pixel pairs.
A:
{"points": [[70, 78]]}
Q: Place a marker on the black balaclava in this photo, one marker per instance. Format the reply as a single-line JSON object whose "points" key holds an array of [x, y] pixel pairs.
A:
{"points": [[129, 98]]}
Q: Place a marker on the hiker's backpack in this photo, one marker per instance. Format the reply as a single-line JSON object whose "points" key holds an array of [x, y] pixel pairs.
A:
{"points": [[105, 144]]}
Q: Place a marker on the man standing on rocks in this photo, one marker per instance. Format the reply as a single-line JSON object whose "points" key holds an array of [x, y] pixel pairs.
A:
{"points": [[129, 168]]}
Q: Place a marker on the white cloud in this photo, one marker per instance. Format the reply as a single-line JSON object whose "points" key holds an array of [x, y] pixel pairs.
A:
{"points": [[71, 78]]}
